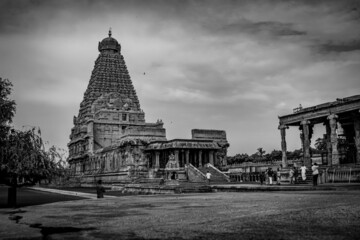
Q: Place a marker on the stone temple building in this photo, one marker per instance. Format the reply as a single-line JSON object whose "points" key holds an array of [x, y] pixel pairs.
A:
{"points": [[112, 141]]}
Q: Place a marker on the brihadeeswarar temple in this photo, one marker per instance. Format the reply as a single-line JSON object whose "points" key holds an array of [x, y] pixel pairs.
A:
{"points": [[112, 142]]}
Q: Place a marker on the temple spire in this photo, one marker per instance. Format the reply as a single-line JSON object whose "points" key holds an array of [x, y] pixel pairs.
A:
{"points": [[110, 32]]}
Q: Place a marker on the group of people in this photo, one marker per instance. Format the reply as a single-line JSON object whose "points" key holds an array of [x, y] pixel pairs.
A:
{"points": [[293, 174], [270, 176]]}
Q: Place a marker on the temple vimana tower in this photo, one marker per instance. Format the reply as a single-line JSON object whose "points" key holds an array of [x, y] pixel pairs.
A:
{"points": [[111, 140]]}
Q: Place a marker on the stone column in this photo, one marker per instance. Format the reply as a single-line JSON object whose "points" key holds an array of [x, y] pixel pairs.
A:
{"points": [[187, 152], [200, 158], [181, 158], [305, 127], [357, 137], [328, 143], [211, 157], [334, 139], [176, 155], [157, 160], [283, 144]]}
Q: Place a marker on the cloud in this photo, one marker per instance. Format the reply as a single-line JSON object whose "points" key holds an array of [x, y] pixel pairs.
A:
{"points": [[247, 26], [339, 47], [233, 65]]}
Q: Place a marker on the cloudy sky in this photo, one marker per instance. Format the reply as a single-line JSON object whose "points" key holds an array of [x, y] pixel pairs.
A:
{"points": [[231, 65]]}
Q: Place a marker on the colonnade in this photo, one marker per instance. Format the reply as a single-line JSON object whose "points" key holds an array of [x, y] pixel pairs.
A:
{"points": [[331, 136], [196, 157]]}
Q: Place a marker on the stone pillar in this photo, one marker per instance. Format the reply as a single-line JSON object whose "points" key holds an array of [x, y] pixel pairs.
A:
{"points": [[181, 158], [195, 158], [157, 160], [176, 155], [334, 139], [283, 144], [187, 152], [357, 138], [328, 143], [200, 158], [305, 128], [211, 157]]}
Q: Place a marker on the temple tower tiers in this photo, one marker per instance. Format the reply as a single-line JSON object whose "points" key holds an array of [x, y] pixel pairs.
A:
{"points": [[110, 107], [110, 75]]}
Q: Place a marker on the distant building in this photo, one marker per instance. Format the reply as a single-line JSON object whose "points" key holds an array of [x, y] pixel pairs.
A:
{"points": [[112, 141]]}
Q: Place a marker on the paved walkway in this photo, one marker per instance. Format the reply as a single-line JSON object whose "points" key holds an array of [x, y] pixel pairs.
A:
{"points": [[284, 187], [71, 193], [236, 187]]}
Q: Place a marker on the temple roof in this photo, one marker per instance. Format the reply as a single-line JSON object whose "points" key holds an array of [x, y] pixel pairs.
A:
{"points": [[109, 43], [110, 75], [318, 112]]}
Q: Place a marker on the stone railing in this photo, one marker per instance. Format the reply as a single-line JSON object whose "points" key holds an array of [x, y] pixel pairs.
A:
{"points": [[245, 177], [344, 174], [263, 163], [326, 175], [194, 175], [220, 172]]}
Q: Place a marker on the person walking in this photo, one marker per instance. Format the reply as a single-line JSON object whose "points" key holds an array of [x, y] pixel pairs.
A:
{"points": [[315, 173], [262, 178], [267, 176], [100, 189], [291, 175], [271, 175], [208, 176], [303, 170], [278, 176], [296, 175]]}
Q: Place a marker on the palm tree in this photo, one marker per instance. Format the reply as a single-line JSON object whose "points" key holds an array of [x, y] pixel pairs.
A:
{"points": [[261, 152]]}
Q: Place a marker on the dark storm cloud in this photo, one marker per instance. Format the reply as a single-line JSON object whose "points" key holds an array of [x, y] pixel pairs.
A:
{"points": [[28, 15], [246, 26], [206, 78], [339, 47]]}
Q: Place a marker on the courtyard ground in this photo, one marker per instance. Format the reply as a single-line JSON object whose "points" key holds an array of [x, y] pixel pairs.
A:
{"points": [[223, 215], [29, 197]]}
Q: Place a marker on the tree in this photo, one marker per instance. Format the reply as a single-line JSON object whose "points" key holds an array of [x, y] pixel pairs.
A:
{"points": [[23, 157], [261, 152], [25, 161], [320, 144], [275, 155], [7, 108]]}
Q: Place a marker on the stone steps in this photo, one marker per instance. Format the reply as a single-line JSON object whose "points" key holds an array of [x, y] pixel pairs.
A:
{"points": [[307, 181], [215, 175]]}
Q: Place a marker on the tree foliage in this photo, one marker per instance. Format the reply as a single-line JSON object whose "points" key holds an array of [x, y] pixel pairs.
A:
{"points": [[320, 144], [261, 151], [260, 156], [7, 107], [23, 157]]}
